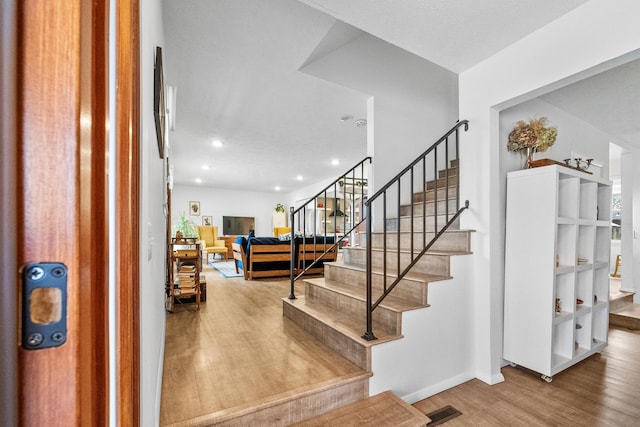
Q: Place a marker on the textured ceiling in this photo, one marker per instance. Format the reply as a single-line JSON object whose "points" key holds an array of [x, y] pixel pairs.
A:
{"points": [[236, 64]]}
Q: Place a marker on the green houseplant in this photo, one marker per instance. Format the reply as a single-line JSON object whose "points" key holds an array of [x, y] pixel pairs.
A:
{"points": [[185, 226], [279, 208]]}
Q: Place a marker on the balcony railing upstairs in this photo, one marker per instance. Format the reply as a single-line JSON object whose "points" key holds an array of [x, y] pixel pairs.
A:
{"points": [[438, 181], [328, 220]]}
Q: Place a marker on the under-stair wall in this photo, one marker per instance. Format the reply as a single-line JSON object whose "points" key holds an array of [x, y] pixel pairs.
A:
{"points": [[436, 352]]}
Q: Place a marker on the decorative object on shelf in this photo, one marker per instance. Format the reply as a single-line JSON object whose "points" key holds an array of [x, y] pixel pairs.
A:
{"points": [[547, 162], [531, 137], [207, 220], [581, 164], [579, 301], [558, 305], [279, 208], [194, 208]]}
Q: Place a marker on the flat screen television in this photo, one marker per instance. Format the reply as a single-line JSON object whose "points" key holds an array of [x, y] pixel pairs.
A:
{"points": [[237, 225]]}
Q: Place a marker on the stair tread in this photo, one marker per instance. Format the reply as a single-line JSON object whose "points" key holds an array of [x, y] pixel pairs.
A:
{"points": [[391, 302], [347, 325], [466, 230], [407, 251], [384, 409], [415, 276]]}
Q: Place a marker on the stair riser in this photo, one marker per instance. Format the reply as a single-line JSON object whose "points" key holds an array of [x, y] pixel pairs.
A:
{"points": [[432, 264], [297, 408], [409, 290], [453, 171], [341, 344], [618, 303], [628, 322], [443, 193], [419, 208], [384, 319], [419, 225], [454, 241], [442, 182]]}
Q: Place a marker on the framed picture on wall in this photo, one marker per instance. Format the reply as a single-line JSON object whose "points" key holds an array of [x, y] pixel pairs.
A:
{"points": [[159, 102], [207, 220], [194, 208]]}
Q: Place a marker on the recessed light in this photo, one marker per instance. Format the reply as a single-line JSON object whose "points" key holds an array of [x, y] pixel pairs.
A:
{"points": [[217, 143], [205, 167], [335, 162], [198, 180], [277, 188], [299, 177]]}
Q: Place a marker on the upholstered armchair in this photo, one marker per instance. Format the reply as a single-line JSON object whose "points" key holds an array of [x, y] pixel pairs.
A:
{"points": [[281, 230], [208, 234]]}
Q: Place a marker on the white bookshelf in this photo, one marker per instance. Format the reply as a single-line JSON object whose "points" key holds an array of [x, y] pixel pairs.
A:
{"points": [[557, 249]]}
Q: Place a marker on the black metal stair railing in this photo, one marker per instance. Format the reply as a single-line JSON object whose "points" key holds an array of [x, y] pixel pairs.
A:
{"points": [[439, 157], [324, 228]]}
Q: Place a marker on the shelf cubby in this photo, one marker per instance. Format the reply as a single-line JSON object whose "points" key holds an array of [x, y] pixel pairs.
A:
{"points": [[601, 284], [600, 326], [563, 339], [588, 200], [583, 337], [604, 202], [586, 239], [568, 197], [566, 244], [602, 245], [584, 288]]}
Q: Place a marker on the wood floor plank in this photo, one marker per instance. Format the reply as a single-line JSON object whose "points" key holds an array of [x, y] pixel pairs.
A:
{"points": [[239, 350], [599, 391]]}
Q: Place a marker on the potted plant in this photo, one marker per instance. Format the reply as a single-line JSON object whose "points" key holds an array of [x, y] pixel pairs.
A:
{"points": [[186, 227], [530, 137], [279, 216]]}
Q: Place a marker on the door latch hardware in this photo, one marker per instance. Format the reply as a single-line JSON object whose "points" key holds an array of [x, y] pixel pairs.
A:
{"points": [[44, 305]]}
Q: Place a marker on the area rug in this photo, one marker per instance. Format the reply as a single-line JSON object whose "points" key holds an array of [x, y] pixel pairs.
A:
{"points": [[226, 268]]}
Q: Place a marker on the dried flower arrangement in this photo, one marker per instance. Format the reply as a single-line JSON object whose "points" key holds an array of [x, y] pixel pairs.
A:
{"points": [[533, 134]]}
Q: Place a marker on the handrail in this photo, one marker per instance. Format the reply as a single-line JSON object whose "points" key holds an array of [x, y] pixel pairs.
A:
{"points": [[301, 213], [440, 176]]}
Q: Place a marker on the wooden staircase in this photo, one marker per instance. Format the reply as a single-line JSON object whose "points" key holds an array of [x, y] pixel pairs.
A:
{"points": [[333, 308]]}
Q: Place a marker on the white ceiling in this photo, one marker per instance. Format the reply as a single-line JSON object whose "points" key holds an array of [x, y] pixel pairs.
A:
{"points": [[235, 65]]}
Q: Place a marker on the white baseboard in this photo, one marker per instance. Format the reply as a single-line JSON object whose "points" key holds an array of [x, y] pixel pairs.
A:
{"points": [[437, 388]]}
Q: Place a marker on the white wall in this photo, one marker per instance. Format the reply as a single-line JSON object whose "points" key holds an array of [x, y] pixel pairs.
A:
{"points": [[630, 244], [590, 39], [574, 135], [436, 351], [415, 101], [152, 225], [218, 202]]}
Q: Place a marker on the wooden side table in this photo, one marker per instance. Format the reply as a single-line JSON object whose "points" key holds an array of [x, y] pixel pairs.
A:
{"points": [[184, 252], [228, 240]]}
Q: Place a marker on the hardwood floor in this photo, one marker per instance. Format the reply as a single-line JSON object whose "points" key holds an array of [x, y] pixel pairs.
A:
{"points": [[239, 352], [602, 390]]}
